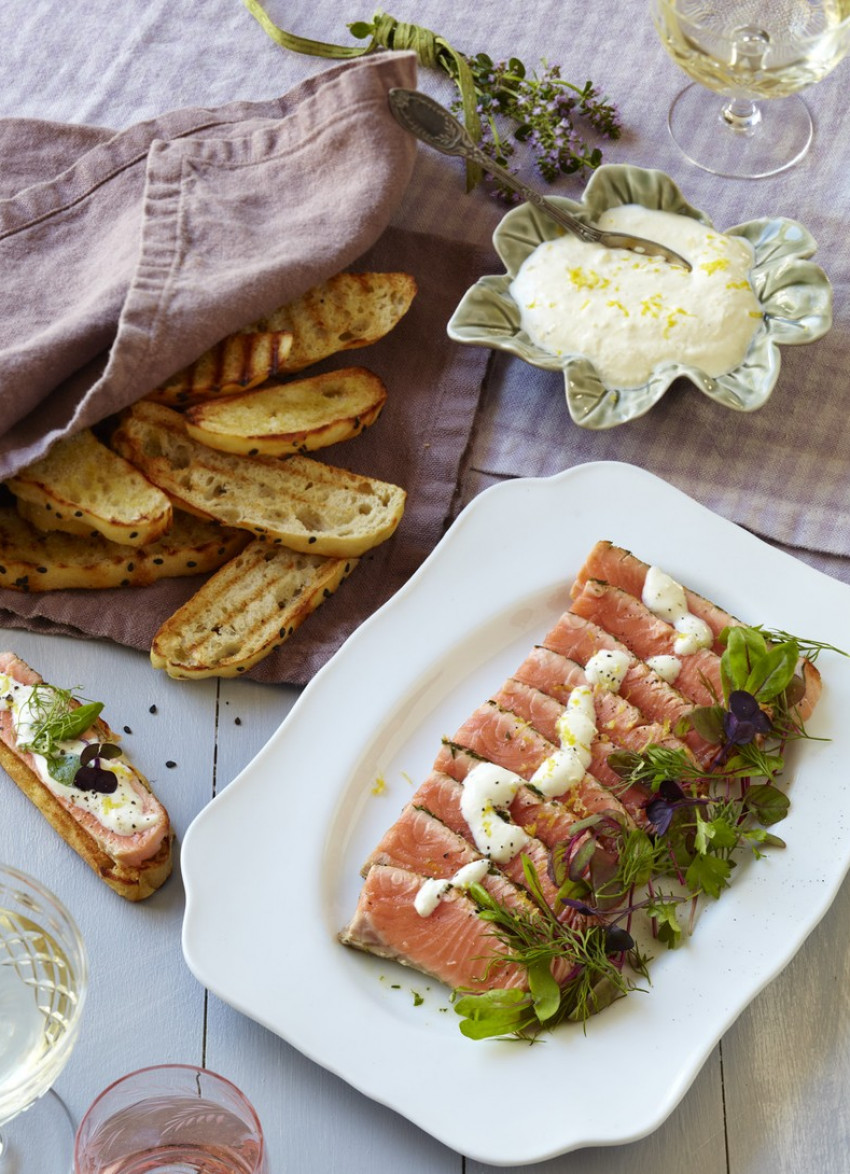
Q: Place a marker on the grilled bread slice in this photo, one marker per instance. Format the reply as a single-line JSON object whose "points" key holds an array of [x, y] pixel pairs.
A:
{"points": [[300, 416], [349, 310], [81, 486], [298, 502], [31, 560], [236, 363], [244, 611], [124, 835]]}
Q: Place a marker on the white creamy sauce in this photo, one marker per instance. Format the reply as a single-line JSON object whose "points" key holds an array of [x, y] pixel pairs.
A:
{"points": [[432, 891], [487, 790], [627, 312], [665, 598], [120, 812], [606, 669], [667, 667], [566, 767]]}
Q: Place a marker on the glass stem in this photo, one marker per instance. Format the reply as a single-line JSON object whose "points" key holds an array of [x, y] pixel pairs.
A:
{"points": [[741, 115]]}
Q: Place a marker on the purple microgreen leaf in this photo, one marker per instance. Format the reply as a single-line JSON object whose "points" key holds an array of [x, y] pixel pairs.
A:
{"points": [[95, 778], [618, 940]]}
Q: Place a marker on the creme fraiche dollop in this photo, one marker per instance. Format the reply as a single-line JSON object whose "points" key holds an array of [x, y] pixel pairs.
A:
{"points": [[628, 313]]}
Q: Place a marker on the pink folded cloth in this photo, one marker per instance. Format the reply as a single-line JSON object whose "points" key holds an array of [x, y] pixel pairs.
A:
{"points": [[147, 247], [131, 254]]}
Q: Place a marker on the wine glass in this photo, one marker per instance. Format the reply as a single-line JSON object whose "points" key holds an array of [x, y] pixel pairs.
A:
{"points": [[43, 978], [171, 1117], [745, 50]]}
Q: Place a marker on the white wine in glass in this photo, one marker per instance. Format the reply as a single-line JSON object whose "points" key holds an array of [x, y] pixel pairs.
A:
{"points": [[754, 55], [43, 978]]}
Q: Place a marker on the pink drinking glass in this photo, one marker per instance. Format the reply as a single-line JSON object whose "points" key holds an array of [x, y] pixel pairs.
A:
{"points": [[172, 1117]]}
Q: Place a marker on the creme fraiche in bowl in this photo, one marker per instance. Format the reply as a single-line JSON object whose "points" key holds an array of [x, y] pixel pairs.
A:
{"points": [[621, 326]]}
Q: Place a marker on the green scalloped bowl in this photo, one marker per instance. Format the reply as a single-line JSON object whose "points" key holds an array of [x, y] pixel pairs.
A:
{"points": [[794, 294]]}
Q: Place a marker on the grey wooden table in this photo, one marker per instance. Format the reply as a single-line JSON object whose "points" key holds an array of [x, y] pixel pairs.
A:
{"points": [[773, 1096]]}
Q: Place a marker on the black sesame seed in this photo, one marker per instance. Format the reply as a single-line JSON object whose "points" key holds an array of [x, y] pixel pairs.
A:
{"points": [[157, 562], [237, 721], [127, 730], [41, 570], [152, 709], [171, 764], [312, 538]]}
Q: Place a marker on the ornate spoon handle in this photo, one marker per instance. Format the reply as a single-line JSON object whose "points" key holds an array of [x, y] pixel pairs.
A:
{"points": [[433, 124]]}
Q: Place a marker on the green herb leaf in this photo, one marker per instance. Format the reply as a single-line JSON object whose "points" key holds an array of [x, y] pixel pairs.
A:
{"points": [[768, 804], [668, 928], [63, 768], [708, 722], [544, 989], [493, 1013], [708, 874], [65, 726], [771, 674]]}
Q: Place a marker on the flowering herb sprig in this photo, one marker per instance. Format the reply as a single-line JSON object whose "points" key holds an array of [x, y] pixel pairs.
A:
{"points": [[544, 112], [501, 104]]}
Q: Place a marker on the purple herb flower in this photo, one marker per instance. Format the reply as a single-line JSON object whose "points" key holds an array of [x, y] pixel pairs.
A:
{"points": [[661, 808]]}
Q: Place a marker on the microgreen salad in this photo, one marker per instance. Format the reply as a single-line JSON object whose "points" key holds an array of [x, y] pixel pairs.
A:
{"points": [[699, 821]]}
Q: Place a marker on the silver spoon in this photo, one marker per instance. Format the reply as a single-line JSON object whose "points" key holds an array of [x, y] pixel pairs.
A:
{"points": [[434, 125]]}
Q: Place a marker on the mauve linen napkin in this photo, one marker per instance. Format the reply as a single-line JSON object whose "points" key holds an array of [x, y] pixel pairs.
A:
{"points": [[149, 246]]}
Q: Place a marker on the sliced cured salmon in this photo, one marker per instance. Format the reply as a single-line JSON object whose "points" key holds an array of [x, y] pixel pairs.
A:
{"points": [[453, 945], [619, 567], [579, 638], [532, 764], [632, 623]]}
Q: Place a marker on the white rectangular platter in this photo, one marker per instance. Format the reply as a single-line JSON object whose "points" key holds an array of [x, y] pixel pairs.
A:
{"points": [[296, 825]]}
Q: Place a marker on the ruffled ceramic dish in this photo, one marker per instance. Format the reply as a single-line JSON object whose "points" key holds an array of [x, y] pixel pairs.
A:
{"points": [[794, 294]]}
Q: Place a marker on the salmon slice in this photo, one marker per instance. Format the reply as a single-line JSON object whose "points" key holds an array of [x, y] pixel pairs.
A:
{"points": [[132, 848], [499, 736], [453, 945], [612, 564], [621, 568], [634, 625], [440, 795], [578, 638], [419, 842], [549, 820]]}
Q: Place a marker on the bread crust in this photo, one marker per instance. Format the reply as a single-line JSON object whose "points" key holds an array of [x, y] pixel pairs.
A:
{"points": [[132, 883]]}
